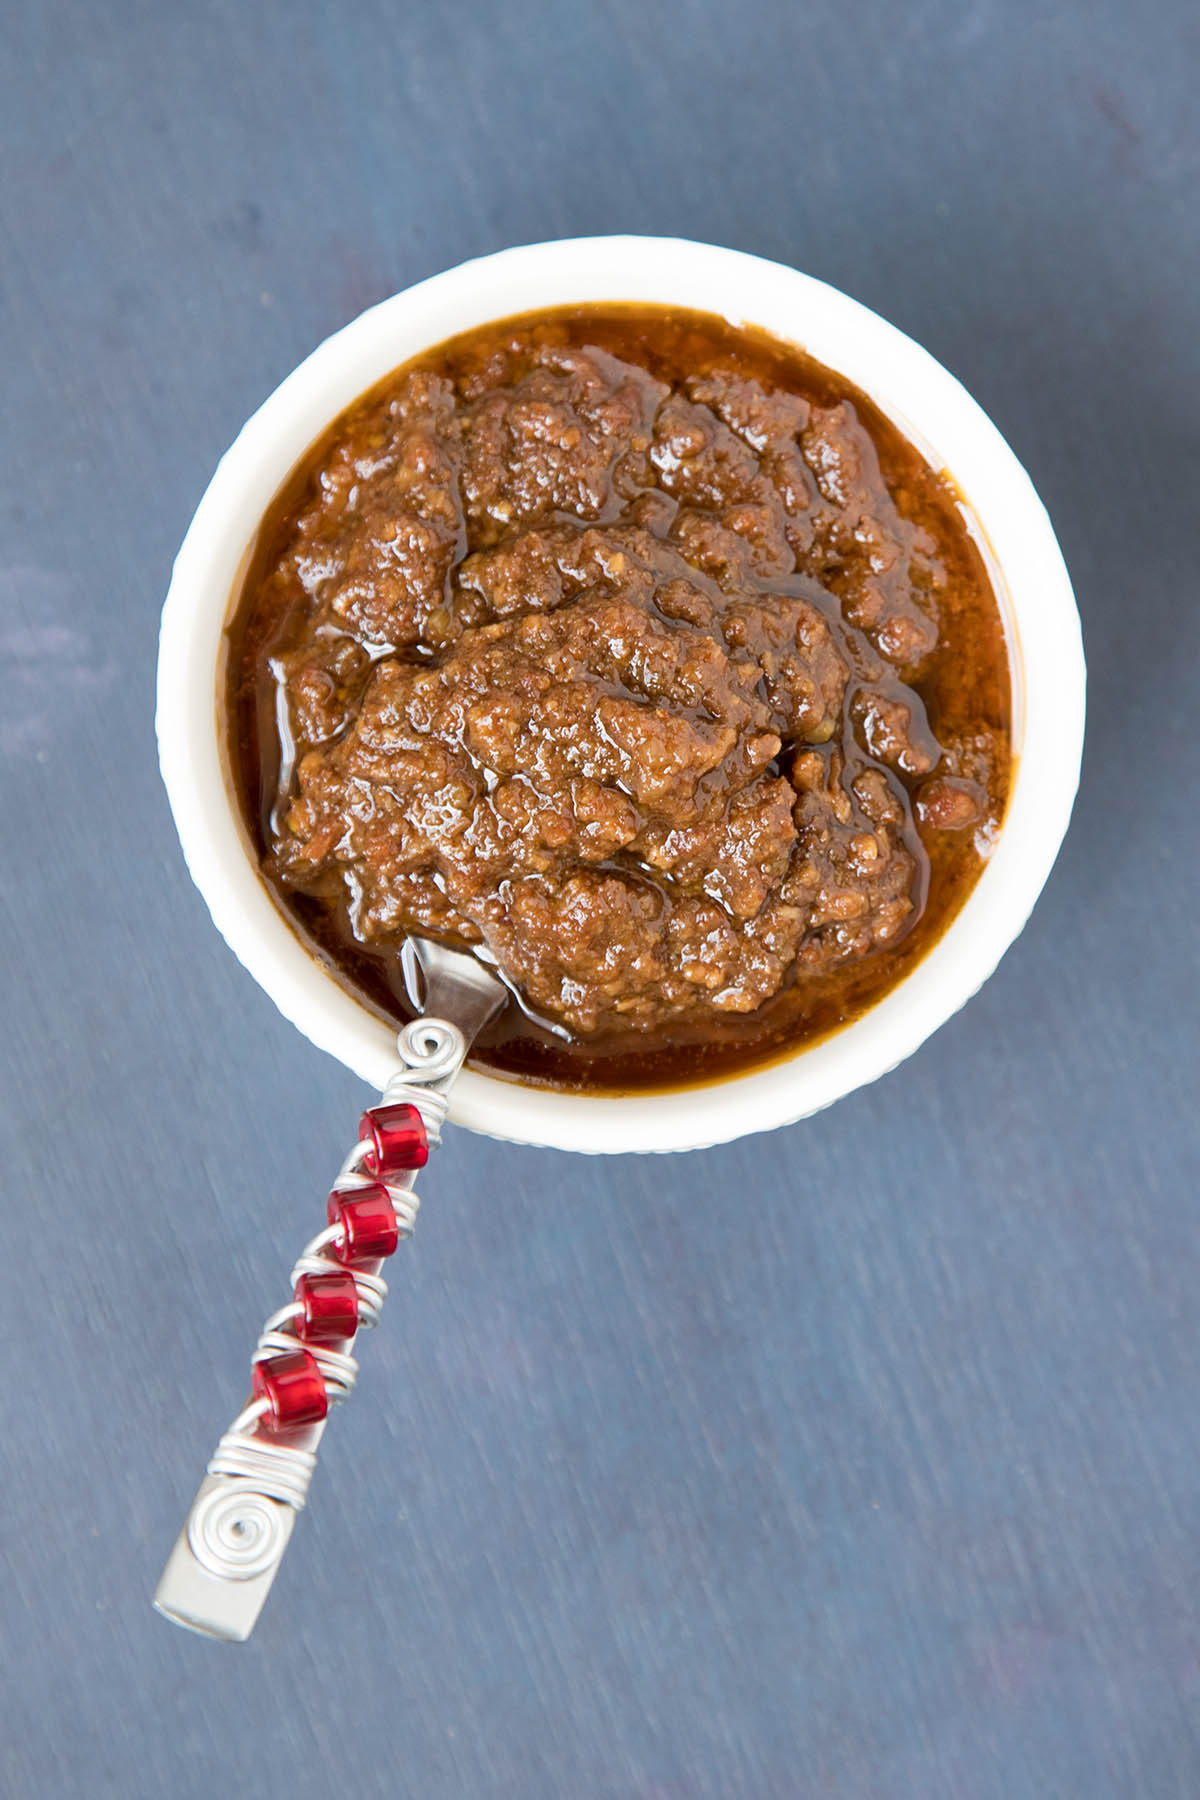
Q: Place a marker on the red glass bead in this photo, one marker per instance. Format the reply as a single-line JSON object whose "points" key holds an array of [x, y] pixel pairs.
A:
{"points": [[397, 1139], [294, 1387], [330, 1305], [366, 1220]]}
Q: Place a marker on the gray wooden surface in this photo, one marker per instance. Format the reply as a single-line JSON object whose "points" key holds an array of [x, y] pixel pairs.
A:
{"points": [[856, 1461]]}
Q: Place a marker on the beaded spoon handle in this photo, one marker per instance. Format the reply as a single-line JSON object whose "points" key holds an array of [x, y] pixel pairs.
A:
{"points": [[232, 1543]]}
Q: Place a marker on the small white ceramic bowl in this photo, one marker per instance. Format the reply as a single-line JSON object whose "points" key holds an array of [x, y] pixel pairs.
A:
{"points": [[932, 410]]}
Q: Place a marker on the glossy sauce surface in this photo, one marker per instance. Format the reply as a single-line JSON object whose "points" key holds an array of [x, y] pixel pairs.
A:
{"points": [[534, 485]]}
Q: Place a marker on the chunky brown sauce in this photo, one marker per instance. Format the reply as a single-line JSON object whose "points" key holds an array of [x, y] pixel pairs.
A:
{"points": [[644, 651]]}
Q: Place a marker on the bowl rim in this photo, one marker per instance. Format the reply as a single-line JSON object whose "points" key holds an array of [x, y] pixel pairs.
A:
{"points": [[924, 400]]}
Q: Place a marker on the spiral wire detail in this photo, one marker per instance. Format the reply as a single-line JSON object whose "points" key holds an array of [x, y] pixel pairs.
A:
{"points": [[235, 1531], [236, 1535]]}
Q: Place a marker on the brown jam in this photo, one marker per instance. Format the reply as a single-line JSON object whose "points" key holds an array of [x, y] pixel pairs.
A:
{"points": [[642, 652]]}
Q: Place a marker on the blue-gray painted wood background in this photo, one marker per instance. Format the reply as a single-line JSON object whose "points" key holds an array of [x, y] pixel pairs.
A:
{"points": [[858, 1462]]}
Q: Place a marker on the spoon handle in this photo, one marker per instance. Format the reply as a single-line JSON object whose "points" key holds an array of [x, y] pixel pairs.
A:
{"points": [[228, 1553]]}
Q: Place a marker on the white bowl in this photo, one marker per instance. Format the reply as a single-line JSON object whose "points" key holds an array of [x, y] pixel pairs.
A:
{"points": [[932, 410]]}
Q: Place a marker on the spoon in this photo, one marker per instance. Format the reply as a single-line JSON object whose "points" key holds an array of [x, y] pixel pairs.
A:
{"points": [[232, 1542]]}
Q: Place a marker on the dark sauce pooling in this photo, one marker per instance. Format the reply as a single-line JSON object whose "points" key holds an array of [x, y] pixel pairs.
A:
{"points": [[644, 651]]}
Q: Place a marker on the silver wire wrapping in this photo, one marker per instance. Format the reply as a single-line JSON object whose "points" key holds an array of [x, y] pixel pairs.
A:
{"points": [[430, 1050], [237, 1545]]}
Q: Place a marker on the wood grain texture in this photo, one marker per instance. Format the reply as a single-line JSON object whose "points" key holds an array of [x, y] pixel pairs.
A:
{"points": [[859, 1461]]}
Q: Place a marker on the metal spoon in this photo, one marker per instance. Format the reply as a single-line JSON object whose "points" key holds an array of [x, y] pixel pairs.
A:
{"points": [[232, 1542]]}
